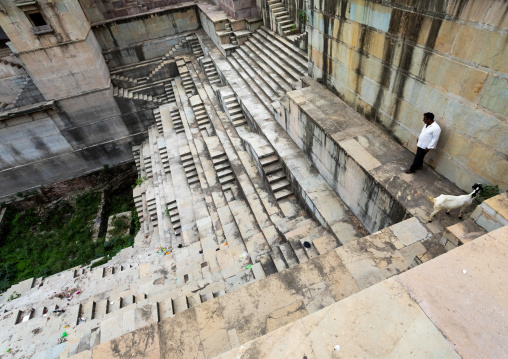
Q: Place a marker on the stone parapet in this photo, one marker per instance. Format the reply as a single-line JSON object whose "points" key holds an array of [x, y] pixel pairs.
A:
{"points": [[492, 213]]}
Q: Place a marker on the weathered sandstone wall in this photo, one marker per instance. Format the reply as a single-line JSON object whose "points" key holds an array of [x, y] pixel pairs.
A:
{"points": [[394, 60]]}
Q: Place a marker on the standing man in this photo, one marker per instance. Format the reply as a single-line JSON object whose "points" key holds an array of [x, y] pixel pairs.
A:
{"points": [[427, 140]]}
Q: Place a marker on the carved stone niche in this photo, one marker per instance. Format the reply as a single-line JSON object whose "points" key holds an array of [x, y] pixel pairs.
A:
{"points": [[36, 17]]}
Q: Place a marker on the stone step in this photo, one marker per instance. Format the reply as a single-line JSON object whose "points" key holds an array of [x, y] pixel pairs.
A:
{"points": [[287, 65], [268, 265], [278, 259], [272, 168], [461, 233], [280, 195], [268, 62], [289, 254], [271, 77], [257, 90], [280, 185]]}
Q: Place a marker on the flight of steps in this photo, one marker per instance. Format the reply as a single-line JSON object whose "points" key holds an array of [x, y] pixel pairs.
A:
{"points": [[169, 95], [126, 93], [195, 46], [232, 38], [270, 65], [274, 172], [177, 121], [234, 110], [211, 71], [283, 20], [124, 78], [167, 59]]}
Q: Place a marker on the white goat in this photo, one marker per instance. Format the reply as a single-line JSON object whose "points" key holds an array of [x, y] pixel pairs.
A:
{"points": [[448, 202]]}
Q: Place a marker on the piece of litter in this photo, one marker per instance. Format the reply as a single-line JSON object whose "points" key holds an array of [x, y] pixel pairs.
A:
{"points": [[112, 302], [306, 244], [64, 334], [336, 348], [66, 327], [464, 271], [249, 266], [225, 243]]}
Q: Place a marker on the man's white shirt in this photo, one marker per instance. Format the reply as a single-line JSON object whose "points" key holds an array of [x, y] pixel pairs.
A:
{"points": [[429, 136]]}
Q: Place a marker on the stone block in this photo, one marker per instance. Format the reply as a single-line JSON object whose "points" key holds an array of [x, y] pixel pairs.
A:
{"points": [[459, 148], [409, 231], [484, 161], [495, 95], [488, 222], [463, 232], [446, 36]]}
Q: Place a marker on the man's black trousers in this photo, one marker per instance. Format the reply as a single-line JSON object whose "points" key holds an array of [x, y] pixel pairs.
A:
{"points": [[418, 161]]}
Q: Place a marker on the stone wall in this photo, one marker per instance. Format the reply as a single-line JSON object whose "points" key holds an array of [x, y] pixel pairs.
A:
{"points": [[68, 139], [394, 60], [239, 9], [101, 10], [141, 52], [120, 33], [370, 202]]}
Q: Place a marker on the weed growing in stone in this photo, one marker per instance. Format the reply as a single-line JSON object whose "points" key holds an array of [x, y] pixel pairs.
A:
{"points": [[486, 193]]}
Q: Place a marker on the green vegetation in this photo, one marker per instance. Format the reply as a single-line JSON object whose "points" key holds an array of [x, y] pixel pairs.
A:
{"points": [[302, 16], [139, 181], [39, 244], [488, 192]]}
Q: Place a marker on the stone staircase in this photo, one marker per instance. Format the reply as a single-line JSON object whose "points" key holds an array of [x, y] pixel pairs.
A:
{"points": [[128, 94], [124, 78], [282, 20], [270, 65]]}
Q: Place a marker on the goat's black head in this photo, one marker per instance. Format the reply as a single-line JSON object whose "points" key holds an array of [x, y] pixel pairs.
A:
{"points": [[477, 188]]}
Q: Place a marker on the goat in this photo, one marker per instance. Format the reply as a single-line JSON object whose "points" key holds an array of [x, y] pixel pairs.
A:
{"points": [[448, 202]]}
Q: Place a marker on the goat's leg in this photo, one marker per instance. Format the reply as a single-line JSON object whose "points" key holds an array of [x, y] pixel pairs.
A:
{"points": [[462, 210], [436, 210], [448, 212]]}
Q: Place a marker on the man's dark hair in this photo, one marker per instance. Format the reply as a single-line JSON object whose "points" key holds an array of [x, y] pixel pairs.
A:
{"points": [[429, 116]]}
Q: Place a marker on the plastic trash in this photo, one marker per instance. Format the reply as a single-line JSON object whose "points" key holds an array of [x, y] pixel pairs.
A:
{"points": [[244, 256], [336, 348], [464, 271], [64, 334], [249, 266], [306, 244]]}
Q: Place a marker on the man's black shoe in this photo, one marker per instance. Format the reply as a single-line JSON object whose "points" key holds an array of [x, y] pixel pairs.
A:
{"points": [[409, 171]]}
